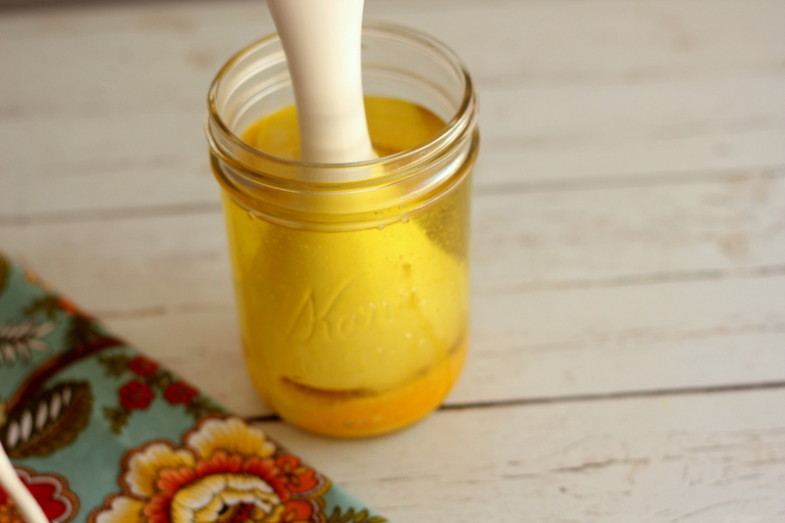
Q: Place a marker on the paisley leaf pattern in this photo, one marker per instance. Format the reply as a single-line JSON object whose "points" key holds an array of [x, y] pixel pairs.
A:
{"points": [[83, 332], [19, 340], [47, 304], [47, 422]]}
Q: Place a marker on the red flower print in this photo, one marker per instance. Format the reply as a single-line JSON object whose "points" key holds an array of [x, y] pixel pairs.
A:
{"points": [[135, 395], [179, 392], [142, 366], [49, 490]]}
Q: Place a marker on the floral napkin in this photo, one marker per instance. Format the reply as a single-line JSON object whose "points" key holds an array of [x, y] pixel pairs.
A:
{"points": [[100, 433]]}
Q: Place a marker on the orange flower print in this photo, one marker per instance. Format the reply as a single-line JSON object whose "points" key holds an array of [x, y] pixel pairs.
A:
{"points": [[297, 477], [225, 471]]}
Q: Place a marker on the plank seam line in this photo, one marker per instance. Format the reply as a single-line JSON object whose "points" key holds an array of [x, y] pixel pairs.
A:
{"points": [[697, 275], [620, 181], [119, 213], [620, 395], [588, 398], [26, 6]]}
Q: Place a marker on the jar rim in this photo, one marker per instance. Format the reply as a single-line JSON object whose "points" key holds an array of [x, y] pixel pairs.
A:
{"points": [[462, 121]]}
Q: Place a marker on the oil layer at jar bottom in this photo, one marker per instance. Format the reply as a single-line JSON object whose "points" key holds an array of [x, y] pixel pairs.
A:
{"points": [[353, 333], [365, 414]]}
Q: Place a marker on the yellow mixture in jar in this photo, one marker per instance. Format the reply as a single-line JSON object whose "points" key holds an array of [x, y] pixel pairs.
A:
{"points": [[354, 332]]}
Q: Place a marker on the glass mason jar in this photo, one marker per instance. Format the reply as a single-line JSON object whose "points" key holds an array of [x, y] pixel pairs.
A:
{"points": [[351, 279]]}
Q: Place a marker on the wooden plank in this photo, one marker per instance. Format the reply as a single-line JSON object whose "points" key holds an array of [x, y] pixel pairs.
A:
{"points": [[625, 41], [698, 459], [521, 242], [655, 134], [609, 41], [603, 234], [641, 337]]}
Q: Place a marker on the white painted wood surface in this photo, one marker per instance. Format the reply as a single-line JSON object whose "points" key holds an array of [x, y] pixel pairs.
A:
{"points": [[628, 357]]}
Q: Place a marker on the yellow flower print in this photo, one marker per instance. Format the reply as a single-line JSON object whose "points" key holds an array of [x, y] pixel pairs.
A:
{"points": [[226, 471]]}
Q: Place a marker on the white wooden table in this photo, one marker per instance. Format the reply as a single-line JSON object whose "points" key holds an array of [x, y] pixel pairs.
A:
{"points": [[628, 356]]}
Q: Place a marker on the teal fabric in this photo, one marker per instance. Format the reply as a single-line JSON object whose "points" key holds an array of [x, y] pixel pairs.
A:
{"points": [[101, 433]]}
